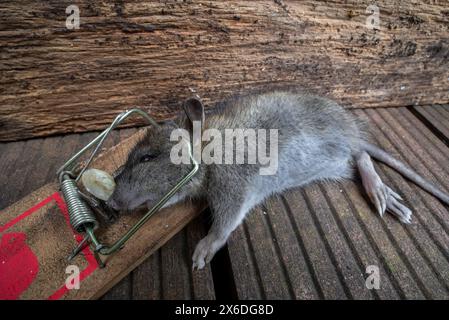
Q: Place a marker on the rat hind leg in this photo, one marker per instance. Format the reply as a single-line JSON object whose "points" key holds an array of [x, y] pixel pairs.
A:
{"points": [[228, 212], [383, 198]]}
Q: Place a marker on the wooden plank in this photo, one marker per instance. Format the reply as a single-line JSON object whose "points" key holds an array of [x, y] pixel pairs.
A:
{"points": [[322, 259], [365, 250], [153, 55], [437, 117], [50, 238], [299, 271], [21, 169], [260, 253], [202, 284], [275, 282], [385, 248], [146, 279], [168, 273], [121, 291], [418, 248], [429, 232], [244, 267], [11, 152], [344, 259]]}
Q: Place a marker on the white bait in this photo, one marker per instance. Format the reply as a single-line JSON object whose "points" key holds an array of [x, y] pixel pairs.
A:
{"points": [[99, 183]]}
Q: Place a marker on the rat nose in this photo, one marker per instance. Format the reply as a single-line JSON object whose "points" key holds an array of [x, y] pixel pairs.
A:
{"points": [[114, 204]]}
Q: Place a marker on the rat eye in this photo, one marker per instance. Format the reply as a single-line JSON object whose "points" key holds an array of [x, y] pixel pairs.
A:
{"points": [[147, 157]]}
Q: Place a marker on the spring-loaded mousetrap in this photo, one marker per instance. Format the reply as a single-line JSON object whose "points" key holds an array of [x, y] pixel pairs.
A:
{"points": [[58, 226]]}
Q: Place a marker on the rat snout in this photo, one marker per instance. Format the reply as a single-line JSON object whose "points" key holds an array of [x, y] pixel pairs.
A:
{"points": [[111, 203], [122, 201], [119, 200], [116, 203], [126, 196]]}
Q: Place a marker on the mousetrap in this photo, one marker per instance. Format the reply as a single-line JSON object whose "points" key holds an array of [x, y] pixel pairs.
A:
{"points": [[80, 205], [60, 220]]}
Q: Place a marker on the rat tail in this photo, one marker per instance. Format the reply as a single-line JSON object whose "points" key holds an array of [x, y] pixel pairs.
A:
{"points": [[400, 167]]}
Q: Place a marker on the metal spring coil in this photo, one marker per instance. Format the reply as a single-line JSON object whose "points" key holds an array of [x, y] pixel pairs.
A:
{"points": [[80, 214]]}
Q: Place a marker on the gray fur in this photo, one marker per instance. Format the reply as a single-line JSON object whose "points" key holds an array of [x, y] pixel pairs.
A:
{"points": [[318, 140]]}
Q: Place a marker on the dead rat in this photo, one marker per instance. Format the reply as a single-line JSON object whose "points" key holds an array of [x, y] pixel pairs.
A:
{"points": [[316, 140]]}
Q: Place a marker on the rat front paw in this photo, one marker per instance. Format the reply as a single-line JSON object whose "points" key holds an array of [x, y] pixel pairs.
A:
{"points": [[205, 250]]}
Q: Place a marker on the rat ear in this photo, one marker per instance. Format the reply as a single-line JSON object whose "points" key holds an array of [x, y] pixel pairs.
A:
{"points": [[194, 116], [194, 110]]}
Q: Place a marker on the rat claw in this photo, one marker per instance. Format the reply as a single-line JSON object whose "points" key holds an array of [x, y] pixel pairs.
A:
{"points": [[394, 194], [199, 265], [381, 196], [383, 203], [385, 197], [378, 205], [403, 213]]}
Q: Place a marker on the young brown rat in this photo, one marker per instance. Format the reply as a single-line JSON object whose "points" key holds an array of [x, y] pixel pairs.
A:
{"points": [[316, 140]]}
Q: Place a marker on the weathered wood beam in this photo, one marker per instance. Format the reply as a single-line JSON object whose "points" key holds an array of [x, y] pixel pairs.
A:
{"points": [[153, 54]]}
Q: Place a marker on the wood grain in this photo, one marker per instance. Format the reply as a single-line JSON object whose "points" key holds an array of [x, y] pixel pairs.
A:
{"points": [[437, 118], [154, 54]]}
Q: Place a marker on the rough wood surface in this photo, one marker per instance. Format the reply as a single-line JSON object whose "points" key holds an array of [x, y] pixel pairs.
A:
{"points": [[50, 239], [437, 117], [152, 54]]}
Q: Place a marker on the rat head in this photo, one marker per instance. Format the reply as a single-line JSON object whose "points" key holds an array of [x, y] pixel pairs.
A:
{"points": [[149, 172]]}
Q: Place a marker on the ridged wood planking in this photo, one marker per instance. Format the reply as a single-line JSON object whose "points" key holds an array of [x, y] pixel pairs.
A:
{"points": [[437, 118]]}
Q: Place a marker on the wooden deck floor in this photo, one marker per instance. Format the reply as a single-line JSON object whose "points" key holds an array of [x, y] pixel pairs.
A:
{"points": [[305, 244]]}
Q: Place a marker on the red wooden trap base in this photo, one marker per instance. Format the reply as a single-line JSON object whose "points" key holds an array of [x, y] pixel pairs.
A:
{"points": [[19, 264]]}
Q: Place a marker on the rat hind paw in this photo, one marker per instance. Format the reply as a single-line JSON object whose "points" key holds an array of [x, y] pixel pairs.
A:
{"points": [[403, 213], [385, 199], [205, 251], [377, 192]]}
